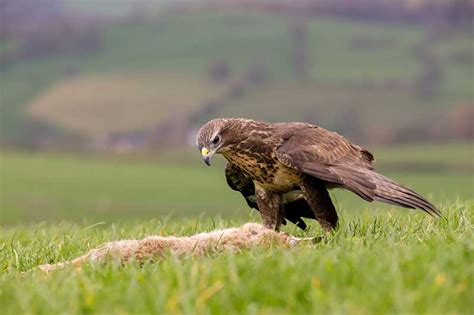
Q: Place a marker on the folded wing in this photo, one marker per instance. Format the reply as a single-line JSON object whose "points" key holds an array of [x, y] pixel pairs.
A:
{"points": [[328, 156]]}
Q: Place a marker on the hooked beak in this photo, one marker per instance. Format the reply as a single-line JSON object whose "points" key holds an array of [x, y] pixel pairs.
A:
{"points": [[207, 156]]}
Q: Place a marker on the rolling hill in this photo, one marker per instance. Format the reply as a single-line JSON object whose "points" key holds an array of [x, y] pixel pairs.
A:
{"points": [[346, 59], [98, 105]]}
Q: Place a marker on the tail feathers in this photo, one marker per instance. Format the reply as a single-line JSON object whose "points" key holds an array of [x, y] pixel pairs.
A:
{"points": [[355, 180], [391, 192], [370, 186], [360, 184]]}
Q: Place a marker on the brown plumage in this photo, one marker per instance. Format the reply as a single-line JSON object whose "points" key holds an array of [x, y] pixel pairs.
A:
{"points": [[284, 170]]}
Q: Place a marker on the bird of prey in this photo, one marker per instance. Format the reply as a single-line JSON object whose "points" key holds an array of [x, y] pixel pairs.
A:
{"points": [[284, 170]]}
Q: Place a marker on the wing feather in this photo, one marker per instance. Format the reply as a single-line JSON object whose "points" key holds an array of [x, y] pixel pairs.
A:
{"points": [[328, 156]]}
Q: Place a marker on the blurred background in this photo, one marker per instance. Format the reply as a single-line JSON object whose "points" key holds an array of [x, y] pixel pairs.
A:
{"points": [[101, 99]]}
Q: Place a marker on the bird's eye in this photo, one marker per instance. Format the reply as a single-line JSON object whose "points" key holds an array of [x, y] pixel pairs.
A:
{"points": [[216, 140]]}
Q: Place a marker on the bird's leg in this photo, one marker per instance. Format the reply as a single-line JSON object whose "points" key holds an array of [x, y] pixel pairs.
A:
{"points": [[281, 213], [271, 208], [320, 202]]}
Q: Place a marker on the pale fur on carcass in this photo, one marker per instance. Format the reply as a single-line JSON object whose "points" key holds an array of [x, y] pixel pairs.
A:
{"points": [[159, 247]]}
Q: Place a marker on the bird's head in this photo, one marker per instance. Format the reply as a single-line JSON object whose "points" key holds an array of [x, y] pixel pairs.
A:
{"points": [[220, 135], [211, 138]]}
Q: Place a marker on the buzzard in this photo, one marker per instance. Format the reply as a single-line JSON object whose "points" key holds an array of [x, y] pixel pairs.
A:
{"points": [[284, 170]]}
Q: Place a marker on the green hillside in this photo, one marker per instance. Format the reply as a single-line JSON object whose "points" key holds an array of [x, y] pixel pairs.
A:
{"points": [[375, 111], [98, 105], [342, 52]]}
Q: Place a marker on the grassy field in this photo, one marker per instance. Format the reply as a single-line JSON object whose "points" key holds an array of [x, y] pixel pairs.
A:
{"points": [[101, 104], [448, 154], [382, 259], [188, 43], [385, 263], [37, 187]]}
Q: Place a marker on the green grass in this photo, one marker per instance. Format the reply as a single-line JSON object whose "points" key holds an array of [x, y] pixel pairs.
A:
{"points": [[48, 187], [37, 187], [382, 259], [374, 264], [448, 153]]}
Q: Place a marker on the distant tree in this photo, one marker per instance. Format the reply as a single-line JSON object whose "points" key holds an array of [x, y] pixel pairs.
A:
{"points": [[413, 132], [430, 77], [377, 133], [462, 57], [350, 124], [237, 89], [18, 16], [257, 74], [460, 13], [299, 35], [41, 28], [219, 71], [173, 132], [41, 135], [61, 36], [461, 120]]}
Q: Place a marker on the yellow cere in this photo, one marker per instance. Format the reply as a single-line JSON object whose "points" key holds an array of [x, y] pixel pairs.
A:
{"points": [[204, 151]]}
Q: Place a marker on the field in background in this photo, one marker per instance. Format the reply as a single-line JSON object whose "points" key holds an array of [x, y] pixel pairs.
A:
{"points": [[100, 105], [341, 108], [42, 186], [344, 53]]}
